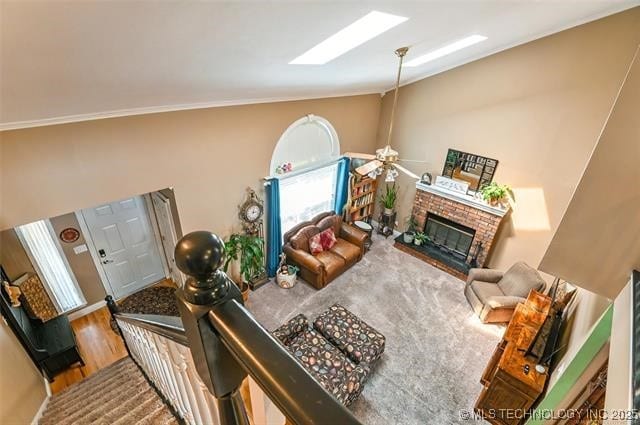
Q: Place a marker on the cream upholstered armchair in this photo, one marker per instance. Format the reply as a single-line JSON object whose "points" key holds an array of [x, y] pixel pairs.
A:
{"points": [[494, 295]]}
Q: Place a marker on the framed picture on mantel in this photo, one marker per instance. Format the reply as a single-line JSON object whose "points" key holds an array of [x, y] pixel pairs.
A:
{"points": [[473, 169]]}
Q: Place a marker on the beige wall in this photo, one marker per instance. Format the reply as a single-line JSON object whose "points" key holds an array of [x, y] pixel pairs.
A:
{"points": [[537, 108], [15, 261], [22, 388], [81, 264], [13, 257], [598, 241], [209, 157]]}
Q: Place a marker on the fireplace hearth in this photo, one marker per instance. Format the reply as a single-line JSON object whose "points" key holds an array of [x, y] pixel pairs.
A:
{"points": [[429, 251], [460, 229]]}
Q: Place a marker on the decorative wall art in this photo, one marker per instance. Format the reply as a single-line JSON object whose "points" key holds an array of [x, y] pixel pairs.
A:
{"points": [[69, 235]]}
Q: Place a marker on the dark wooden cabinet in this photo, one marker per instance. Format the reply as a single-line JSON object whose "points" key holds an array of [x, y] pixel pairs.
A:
{"points": [[511, 382], [50, 345]]}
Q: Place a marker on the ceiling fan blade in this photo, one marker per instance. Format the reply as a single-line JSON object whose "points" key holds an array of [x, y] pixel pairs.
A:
{"points": [[359, 155], [413, 160], [369, 167], [407, 172]]}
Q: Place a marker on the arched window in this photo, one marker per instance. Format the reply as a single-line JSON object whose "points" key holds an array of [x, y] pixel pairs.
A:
{"points": [[308, 177], [308, 142], [305, 161]]}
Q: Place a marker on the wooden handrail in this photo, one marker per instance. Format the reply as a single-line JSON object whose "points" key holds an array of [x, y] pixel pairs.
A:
{"points": [[167, 326]]}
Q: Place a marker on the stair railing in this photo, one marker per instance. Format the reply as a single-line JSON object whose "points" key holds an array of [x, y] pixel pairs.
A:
{"points": [[228, 344], [159, 346], [199, 362]]}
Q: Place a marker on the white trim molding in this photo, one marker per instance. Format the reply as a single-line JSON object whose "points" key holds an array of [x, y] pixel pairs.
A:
{"points": [[41, 409], [86, 310], [67, 119]]}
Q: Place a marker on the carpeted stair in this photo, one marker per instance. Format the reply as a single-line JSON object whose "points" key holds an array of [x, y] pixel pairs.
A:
{"points": [[118, 394]]}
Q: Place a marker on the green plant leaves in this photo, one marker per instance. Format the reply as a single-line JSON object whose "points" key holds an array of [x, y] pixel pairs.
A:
{"points": [[388, 198], [247, 248], [496, 192]]}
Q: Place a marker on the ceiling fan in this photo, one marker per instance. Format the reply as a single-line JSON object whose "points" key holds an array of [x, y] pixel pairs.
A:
{"points": [[385, 159]]}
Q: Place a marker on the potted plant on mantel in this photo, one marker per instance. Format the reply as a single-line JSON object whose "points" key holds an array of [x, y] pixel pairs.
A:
{"points": [[247, 252], [496, 194], [410, 230], [388, 198]]}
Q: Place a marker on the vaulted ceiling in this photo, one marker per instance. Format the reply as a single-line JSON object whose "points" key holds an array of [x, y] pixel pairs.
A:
{"points": [[76, 60]]}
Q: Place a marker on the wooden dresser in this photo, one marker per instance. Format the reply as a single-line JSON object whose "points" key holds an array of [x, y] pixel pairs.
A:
{"points": [[511, 383]]}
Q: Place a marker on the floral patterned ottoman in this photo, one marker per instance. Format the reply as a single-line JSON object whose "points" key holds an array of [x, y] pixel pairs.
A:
{"points": [[325, 362], [359, 341]]}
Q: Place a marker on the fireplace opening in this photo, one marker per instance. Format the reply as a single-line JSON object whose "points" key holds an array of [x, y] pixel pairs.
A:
{"points": [[449, 236]]}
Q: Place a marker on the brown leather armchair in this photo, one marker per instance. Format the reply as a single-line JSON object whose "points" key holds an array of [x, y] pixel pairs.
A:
{"points": [[322, 268]]}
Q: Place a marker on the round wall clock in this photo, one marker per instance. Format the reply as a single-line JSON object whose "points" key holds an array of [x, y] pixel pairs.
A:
{"points": [[69, 235]]}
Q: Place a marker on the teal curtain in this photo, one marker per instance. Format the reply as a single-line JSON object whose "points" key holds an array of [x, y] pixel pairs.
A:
{"points": [[274, 234], [342, 185]]}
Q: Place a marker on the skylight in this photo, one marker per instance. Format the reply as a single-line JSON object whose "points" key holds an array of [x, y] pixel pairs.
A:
{"points": [[447, 50], [364, 29]]}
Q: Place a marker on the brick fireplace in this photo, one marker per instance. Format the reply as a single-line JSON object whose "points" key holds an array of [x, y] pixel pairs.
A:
{"points": [[461, 229]]}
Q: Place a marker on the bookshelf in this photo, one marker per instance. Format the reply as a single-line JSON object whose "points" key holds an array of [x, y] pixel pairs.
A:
{"points": [[363, 198]]}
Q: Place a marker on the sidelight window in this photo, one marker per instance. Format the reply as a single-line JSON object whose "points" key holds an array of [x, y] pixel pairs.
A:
{"points": [[40, 243]]}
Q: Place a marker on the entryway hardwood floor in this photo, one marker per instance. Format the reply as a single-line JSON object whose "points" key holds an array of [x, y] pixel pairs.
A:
{"points": [[99, 347]]}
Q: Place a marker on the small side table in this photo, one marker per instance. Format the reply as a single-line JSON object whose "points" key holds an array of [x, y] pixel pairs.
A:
{"points": [[386, 224], [368, 229]]}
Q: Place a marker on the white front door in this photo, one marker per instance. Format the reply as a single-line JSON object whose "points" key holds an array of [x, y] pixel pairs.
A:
{"points": [[124, 241], [166, 227]]}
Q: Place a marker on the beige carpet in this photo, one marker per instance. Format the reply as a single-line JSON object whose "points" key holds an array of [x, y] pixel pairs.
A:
{"points": [[118, 394], [436, 347]]}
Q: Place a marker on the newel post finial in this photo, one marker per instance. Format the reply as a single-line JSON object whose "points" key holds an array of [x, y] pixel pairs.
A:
{"points": [[199, 255]]}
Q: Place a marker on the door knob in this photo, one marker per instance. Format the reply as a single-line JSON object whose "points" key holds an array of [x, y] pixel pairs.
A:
{"points": [[107, 261]]}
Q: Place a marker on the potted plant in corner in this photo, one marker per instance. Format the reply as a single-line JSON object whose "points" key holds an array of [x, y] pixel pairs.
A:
{"points": [[388, 198], [248, 252], [420, 238], [409, 234], [496, 194]]}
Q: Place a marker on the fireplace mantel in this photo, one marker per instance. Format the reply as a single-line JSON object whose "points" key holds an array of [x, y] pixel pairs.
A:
{"points": [[463, 199], [460, 209]]}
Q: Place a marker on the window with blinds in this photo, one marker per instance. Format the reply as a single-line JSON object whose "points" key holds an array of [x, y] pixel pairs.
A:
{"points": [[40, 243]]}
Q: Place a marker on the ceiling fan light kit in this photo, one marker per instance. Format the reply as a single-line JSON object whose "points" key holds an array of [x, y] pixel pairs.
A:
{"points": [[385, 159]]}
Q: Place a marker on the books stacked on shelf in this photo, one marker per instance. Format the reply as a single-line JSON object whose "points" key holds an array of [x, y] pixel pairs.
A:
{"points": [[363, 195]]}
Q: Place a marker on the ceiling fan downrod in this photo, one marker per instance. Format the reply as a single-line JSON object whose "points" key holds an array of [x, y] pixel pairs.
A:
{"points": [[401, 52]]}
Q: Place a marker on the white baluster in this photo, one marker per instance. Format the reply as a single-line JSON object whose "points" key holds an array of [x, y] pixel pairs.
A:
{"points": [[182, 378], [170, 367], [197, 386], [178, 400]]}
